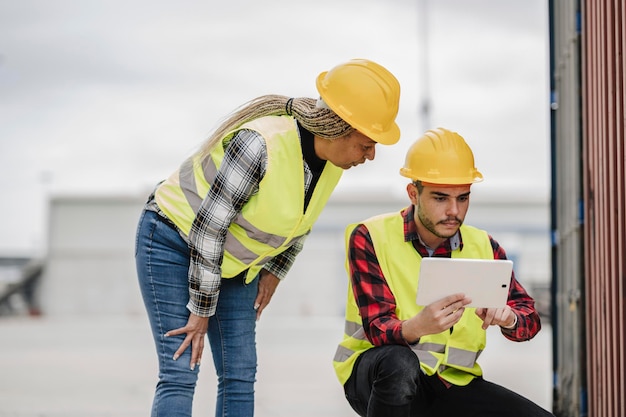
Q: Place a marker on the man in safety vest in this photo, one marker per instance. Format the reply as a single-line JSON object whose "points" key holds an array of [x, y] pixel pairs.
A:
{"points": [[401, 359], [216, 237]]}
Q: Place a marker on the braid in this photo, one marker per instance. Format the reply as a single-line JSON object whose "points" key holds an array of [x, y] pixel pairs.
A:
{"points": [[322, 122]]}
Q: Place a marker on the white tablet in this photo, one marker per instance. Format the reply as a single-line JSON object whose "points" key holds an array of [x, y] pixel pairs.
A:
{"points": [[486, 282]]}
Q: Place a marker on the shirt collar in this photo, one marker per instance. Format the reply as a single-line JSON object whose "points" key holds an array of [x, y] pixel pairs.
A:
{"points": [[307, 142]]}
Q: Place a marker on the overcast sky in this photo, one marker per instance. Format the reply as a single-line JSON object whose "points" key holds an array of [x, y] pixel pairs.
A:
{"points": [[108, 97]]}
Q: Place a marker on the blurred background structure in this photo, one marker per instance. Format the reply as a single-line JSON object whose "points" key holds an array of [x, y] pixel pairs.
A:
{"points": [[101, 100]]}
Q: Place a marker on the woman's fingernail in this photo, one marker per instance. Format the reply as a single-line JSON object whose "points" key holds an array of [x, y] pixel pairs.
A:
{"points": [[193, 365], [256, 306], [175, 357]]}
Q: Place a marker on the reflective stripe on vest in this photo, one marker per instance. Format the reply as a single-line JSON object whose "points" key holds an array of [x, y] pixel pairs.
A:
{"points": [[272, 219], [454, 355]]}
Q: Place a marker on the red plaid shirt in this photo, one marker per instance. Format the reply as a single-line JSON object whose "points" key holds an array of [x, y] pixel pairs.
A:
{"points": [[377, 304]]}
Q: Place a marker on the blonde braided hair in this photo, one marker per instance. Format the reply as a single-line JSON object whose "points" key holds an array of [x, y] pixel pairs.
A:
{"points": [[319, 120]]}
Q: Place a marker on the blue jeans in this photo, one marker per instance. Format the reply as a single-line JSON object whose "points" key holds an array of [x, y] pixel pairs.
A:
{"points": [[162, 258]]}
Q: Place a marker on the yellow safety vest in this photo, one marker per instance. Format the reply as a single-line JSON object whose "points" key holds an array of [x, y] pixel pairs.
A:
{"points": [[452, 356], [273, 218]]}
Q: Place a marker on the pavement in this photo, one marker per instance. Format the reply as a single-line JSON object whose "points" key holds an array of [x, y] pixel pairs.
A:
{"points": [[97, 366]]}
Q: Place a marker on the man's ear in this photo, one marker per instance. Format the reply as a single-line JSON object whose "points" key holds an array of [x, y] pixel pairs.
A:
{"points": [[411, 191]]}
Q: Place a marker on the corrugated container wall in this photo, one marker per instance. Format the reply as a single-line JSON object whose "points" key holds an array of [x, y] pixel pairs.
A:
{"points": [[603, 47], [566, 217], [588, 206]]}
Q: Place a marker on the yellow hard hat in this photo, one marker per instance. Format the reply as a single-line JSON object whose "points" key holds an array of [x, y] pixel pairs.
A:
{"points": [[441, 157], [365, 95]]}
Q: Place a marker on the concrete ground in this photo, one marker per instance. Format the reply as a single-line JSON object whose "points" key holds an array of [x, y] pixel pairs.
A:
{"points": [[105, 366]]}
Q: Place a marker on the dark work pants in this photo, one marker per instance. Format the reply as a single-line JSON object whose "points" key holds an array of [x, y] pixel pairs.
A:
{"points": [[387, 381]]}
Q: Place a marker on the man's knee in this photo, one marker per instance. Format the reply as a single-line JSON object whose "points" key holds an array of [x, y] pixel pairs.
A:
{"points": [[397, 371], [399, 359]]}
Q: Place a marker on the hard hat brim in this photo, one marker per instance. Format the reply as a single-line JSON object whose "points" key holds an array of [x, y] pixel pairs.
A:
{"points": [[389, 137], [472, 179]]}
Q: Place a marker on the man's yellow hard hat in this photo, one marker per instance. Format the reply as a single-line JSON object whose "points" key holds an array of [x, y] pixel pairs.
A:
{"points": [[441, 156]]}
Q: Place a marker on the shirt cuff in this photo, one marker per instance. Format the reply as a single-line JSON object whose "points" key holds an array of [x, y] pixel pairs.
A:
{"points": [[203, 305], [511, 327], [279, 271]]}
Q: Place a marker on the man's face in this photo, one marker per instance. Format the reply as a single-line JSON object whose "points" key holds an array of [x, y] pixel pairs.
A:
{"points": [[439, 210]]}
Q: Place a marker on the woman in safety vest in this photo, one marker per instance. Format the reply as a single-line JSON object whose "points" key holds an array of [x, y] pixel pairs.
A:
{"points": [[398, 358], [218, 235]]}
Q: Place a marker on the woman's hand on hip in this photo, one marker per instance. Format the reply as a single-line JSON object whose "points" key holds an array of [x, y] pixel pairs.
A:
{"points": [[195, 329]]}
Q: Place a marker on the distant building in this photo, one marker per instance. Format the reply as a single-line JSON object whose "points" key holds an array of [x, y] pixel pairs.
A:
{"points": [[90, 268]]}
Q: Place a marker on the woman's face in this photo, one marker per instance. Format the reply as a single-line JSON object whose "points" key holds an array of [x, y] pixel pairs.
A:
{"points": [[347, 151]]}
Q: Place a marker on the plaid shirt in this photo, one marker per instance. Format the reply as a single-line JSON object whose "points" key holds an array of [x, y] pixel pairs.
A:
{"points": [[238, 178], [376, 301]]}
